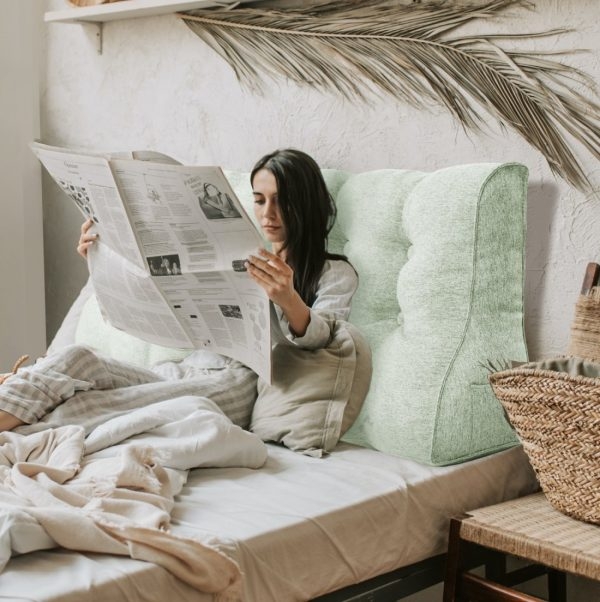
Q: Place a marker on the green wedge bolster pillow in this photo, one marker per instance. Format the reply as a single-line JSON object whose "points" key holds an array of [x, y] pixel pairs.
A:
{"points": [[440, 261]]}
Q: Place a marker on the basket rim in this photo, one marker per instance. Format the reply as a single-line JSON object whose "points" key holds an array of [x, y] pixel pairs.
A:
{"points": [[577, 378]]}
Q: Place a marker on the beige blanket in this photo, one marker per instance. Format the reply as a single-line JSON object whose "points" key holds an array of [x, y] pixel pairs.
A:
{"points": [[113, 492]]}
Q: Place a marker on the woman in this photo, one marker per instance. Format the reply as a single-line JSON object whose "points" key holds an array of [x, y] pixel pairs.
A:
{"points": [[310, 287]]}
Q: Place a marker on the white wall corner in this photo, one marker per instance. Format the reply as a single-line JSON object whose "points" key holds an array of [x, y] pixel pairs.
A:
{"points": [[22, 305]]}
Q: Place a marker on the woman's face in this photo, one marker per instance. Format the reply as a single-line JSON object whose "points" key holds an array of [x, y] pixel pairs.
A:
{"points": [[266, 208]]}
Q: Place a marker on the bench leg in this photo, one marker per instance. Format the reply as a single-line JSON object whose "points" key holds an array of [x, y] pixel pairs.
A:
{"points": [[495, 568], [557, 586], [454, 563]]}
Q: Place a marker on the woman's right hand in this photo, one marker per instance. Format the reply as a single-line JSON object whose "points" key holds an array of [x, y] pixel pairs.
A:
{"points": [[86, 240]]}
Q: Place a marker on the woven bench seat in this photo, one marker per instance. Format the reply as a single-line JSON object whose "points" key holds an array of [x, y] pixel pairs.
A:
{"points": [[529, 528]]}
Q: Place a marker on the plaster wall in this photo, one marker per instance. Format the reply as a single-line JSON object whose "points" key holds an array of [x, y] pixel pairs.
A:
{"points": [[158, 86]]}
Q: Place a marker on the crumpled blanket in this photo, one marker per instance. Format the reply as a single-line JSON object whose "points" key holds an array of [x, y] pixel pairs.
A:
{"points": [[113, 490]]}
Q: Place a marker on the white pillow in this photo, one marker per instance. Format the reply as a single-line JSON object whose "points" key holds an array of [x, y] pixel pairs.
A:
{"points": [[65, 335]]}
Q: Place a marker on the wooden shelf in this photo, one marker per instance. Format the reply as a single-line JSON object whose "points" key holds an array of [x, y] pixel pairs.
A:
{"points": [[128, 9]]}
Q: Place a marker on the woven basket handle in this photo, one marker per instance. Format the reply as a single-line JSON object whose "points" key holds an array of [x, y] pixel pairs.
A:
{"points": [[585, 329], [590, 280]]}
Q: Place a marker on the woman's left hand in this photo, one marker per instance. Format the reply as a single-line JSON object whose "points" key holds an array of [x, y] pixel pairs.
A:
{"points": [[274, 275], [86, 240]]}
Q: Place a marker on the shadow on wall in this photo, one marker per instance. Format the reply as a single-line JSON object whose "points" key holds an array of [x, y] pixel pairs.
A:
{"points": [[542, 206]]}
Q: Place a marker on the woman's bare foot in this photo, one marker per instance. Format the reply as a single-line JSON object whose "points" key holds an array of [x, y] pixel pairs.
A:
{"points": [[8, 422]]}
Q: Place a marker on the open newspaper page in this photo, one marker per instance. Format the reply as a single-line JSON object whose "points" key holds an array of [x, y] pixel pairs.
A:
{"points": [[168, 265], [195, 236], [88, 180]]}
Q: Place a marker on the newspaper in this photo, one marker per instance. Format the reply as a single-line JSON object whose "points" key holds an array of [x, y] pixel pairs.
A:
{"points": [[168, 266]]}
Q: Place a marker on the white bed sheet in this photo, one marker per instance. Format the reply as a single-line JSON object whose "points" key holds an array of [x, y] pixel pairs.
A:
{"points": [[299, 527]]}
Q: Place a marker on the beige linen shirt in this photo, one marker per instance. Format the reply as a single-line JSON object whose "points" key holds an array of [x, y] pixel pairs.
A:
{"points": [[337, 286]]}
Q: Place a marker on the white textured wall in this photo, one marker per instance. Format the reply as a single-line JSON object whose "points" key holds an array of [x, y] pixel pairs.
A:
{"points": [[158, 86], [22, 314]]}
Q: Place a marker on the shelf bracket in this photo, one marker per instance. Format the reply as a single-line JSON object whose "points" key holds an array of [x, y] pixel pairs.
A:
{"points": [[99, 36], [94, 29]]}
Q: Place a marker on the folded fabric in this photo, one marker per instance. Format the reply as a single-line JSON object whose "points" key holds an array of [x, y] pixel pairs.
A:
{"points": [[575, 366], [315, 394]]}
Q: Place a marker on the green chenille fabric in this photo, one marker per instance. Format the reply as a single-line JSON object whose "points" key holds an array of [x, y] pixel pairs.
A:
{"points": [[440, 260]]}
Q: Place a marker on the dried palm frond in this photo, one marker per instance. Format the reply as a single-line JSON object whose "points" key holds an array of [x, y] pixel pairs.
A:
{"points": [[408, 52]]}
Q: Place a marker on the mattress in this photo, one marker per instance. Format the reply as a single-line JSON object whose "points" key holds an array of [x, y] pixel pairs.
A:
{"points": [[299, 527]]}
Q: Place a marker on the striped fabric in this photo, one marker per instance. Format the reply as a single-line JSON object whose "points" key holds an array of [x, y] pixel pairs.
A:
{"points": [[75, 385]]}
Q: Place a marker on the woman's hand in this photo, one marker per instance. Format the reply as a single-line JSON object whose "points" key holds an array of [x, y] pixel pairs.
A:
{"points": [[86, 240], [276, 277]]}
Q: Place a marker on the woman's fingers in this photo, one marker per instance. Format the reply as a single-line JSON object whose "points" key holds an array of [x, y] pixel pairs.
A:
{"points": [[82, 248], [274, 275], [265, 270], [270, 263], [86, 225], [260, 264], [259, 276], [86, 240], [272, 257]]}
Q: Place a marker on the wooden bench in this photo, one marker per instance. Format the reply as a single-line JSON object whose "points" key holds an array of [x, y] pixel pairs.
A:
{"points": [[528, 528]]}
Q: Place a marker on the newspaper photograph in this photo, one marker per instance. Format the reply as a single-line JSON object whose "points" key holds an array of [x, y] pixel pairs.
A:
{"points": [[168, 267]]}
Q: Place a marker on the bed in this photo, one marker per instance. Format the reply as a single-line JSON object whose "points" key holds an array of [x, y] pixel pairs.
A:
{"points": [[374, 513], [369, 515]]}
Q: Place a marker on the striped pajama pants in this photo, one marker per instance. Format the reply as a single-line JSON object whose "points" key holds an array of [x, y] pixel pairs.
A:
{"points": [[75, 385]]}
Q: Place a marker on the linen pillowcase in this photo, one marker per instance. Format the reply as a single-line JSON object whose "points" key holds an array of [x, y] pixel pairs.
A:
{"points": [[65, 335], [315, 394]]}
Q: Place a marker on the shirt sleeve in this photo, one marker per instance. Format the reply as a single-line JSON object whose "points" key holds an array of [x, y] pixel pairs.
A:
{"points": [[337, 286]]}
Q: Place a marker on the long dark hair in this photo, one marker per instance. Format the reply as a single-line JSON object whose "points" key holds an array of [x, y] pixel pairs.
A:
{"points": [[308, 212]]}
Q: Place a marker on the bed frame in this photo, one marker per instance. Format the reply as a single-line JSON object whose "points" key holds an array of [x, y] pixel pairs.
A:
{"points": [[414, 578], [394, 585]]}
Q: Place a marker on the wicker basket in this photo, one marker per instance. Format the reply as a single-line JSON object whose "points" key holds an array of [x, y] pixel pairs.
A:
{"points": [[557, 418]]}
